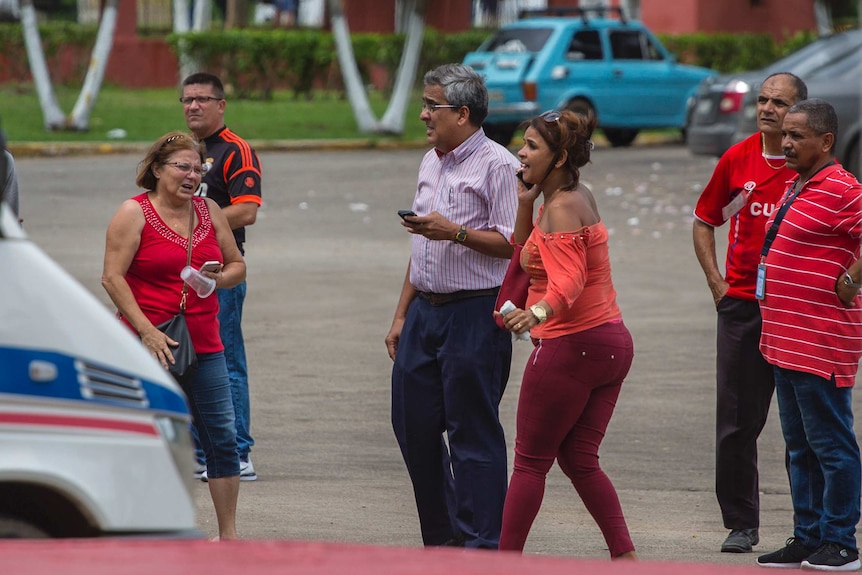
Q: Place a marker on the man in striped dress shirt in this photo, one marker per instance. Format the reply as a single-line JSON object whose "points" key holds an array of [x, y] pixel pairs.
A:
{"points": [[451, 361], [809, 281]]}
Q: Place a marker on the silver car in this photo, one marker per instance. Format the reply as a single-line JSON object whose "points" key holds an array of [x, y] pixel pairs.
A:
{"points": [[724, 109]]}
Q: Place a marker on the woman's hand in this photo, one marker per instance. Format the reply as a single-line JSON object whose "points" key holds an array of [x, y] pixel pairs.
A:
{"points": [[526, 196], [159, 346], [518, 320], [218, 276]]}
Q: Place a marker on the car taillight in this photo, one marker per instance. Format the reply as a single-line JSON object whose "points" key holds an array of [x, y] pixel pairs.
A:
{"points": [[732, 97], [531, 91], [730, 102]]}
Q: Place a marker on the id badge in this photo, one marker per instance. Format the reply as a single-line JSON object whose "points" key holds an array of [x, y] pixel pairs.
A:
{"points": [[738, 202], [760, 286]]}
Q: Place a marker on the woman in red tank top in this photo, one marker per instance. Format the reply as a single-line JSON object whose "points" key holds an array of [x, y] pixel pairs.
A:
{"points": [[145, 251]]}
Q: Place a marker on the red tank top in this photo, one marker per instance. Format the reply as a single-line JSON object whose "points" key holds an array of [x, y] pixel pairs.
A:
{"points": [[154, 275]]}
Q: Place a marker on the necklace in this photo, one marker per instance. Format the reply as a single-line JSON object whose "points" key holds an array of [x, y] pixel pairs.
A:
{"points": [[766, 157]]}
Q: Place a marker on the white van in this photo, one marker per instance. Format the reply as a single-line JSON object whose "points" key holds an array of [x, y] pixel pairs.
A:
{"points": [[94, 437]]}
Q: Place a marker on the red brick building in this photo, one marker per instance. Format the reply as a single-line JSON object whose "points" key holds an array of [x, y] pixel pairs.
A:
{"points": [[140, 62], [777, 17]]}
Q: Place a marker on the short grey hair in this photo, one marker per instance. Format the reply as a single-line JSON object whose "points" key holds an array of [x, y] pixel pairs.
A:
{"points": [[821, 116], [463, 86]]}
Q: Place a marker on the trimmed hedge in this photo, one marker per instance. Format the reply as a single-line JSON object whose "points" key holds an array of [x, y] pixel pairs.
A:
{"points": [[256, 61]]}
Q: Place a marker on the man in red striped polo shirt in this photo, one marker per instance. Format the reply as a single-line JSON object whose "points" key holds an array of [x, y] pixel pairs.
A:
{"points": [[808, 283]]}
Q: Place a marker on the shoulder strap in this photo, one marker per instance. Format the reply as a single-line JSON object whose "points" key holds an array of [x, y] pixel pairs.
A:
{"points": [[189, 251]]}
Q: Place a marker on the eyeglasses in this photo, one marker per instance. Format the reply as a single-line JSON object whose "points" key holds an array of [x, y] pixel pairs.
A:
{"points": [[186, 168], [433, 107], [201, 100]]}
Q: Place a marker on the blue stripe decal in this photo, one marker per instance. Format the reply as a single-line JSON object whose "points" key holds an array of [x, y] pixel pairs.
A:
{"points": [[15, 379]]}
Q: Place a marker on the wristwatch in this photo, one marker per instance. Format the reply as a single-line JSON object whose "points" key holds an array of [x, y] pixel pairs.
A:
{"points": [[461, 236], [848, 281], [539, 312]]}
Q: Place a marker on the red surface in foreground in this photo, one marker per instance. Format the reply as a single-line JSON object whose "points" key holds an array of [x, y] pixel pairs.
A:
{"points": [[151, 557]]}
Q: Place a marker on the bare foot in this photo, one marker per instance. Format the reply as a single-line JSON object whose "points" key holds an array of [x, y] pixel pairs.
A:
{"points": [[627, 556]]}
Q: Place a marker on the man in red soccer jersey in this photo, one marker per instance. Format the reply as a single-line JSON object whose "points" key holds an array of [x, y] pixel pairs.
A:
{"points": [[747, 183], [808, 280]]}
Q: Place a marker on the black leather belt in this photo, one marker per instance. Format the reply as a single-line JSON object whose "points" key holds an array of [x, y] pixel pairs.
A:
{"points": [[444, 298]]}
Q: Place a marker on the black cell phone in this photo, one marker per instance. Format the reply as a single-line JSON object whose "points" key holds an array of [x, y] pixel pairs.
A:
{"points": [[521, 177], [405, 213]]}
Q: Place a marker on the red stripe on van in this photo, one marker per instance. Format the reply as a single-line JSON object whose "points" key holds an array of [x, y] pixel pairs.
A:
{"points": [[80, 422]]}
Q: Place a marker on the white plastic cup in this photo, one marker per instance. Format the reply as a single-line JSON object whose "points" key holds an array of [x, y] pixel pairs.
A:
{"points": [[202, 285]]}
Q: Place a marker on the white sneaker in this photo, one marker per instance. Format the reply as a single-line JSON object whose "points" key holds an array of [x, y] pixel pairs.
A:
{"points": [[246, 472], [200, 470]]}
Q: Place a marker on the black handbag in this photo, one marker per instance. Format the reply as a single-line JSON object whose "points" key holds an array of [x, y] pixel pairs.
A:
{"points": [[185, 359]]}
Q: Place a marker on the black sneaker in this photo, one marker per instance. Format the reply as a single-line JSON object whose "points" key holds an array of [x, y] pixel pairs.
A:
{"points": [[832, 557], [788, 557], [740, 541]]}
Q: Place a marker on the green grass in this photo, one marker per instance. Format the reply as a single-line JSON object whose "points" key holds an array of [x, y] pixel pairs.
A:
{"points": [[146, 114]]}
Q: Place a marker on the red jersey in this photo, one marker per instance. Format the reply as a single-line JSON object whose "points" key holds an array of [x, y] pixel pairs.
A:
{"points": [[154, 274], [805, 326], [743, 170]]}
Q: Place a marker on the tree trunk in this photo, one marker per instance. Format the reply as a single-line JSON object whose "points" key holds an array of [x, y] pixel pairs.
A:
{"points": [[823, 17], [203, 15], [237, 14], [80, 118], [52, 115], [365, 118], [393, 119]]}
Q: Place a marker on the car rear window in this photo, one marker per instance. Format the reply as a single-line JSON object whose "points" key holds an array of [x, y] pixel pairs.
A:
{"points": [[517, 40], [850, 64], [817, 54]]}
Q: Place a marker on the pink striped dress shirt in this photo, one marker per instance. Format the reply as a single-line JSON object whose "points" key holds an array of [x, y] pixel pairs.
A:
{"points": [[805, 326], [473, 185]]}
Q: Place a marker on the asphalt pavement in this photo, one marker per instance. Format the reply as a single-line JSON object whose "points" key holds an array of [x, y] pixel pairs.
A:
{"points": [[326, 262]]}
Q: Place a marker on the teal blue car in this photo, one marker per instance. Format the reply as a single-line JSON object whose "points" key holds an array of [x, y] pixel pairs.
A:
{"points": [[581, 59]]}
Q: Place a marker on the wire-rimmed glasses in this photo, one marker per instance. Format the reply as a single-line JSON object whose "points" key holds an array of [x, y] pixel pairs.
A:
{"points": [[187, 168]]}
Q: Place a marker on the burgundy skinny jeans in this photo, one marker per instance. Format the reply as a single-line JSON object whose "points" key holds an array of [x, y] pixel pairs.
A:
{"points": [[568, 395]]}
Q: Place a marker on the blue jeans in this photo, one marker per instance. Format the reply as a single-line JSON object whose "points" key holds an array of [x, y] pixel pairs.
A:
{"points": [[825, 473], [212, 412], [230, 329]]}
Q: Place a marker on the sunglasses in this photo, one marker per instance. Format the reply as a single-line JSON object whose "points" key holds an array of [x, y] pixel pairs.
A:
{"points": [[553, 116]]}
